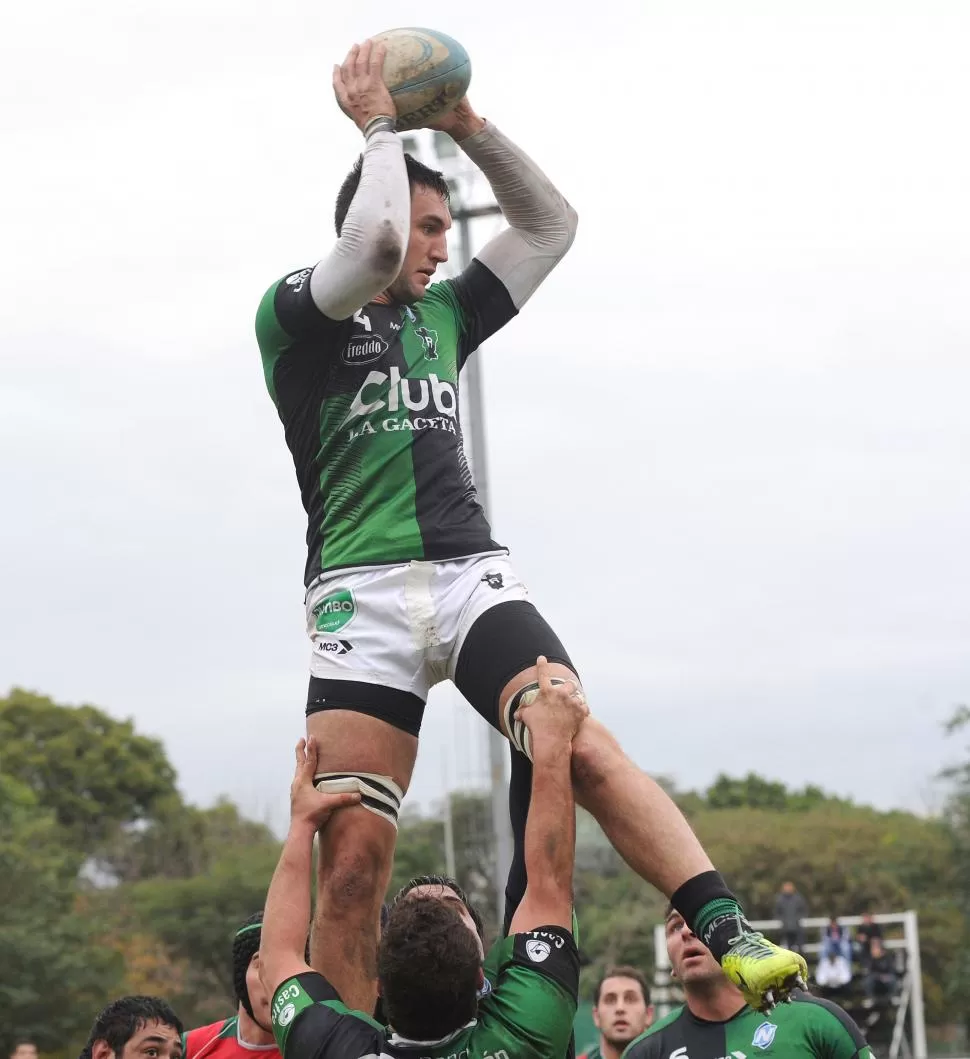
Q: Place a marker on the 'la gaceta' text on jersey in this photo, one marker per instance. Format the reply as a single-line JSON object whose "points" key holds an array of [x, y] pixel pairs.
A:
{"points": [[369, 407]]}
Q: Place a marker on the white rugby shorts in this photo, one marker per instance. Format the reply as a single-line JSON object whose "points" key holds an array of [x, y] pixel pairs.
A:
{"points": [[403, 626]]}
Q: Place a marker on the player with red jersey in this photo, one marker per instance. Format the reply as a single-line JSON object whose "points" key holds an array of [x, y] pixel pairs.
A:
{"points": [[249, 1030]]}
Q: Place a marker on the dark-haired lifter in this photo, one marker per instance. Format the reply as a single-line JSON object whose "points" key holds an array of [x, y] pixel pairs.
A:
{"points": [[404, 585], [430, 958]]}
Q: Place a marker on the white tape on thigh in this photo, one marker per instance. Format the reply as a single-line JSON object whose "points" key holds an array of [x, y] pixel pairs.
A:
{"points": [[380, 794], [519, 736]]}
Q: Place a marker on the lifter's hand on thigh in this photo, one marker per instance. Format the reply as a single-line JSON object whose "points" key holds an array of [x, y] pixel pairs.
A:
{"points": [[307, 804], [556, 713]]}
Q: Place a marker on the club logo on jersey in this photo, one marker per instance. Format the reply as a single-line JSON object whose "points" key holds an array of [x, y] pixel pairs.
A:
{"points": [[402, 395], [429, 339], [537, 951], [494, 580], [363, 349], [298, 279], [285, 1017], [335, 611], [764, 1035]]}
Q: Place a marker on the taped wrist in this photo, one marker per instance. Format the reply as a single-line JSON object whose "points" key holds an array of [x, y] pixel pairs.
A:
{"points": [[380, 794], [380, 123]]}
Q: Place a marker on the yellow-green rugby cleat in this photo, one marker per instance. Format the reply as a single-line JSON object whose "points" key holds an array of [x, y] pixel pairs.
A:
{"points": [[764, 972]]}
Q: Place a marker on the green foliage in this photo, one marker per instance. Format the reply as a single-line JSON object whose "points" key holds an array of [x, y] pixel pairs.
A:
{"points": [[93, 772]]}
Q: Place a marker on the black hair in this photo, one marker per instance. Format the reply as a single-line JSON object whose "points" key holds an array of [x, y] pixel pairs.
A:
{"points": [[123, 1018], [419, 175], [429, 968], [449, 883], [245, 945]]}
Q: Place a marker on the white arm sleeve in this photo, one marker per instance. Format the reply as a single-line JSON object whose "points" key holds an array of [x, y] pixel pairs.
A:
{"points": [[542, 223], [373, 237]]}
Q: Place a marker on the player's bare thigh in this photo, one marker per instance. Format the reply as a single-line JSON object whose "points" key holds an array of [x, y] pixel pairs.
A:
{"points": [[353, 742]]}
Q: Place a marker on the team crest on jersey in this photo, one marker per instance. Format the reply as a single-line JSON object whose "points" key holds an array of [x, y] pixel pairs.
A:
{"points": [[429, 339], [537, 951], [764, 1035]]}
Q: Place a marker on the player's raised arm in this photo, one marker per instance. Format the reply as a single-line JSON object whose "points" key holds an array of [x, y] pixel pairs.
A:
{"points": [[553, 717], [374, 235], [542, 224], [286, 918]]}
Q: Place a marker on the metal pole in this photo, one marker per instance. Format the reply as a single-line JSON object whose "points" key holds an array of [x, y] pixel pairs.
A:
{"points": [[915, 968], [501, 824]]}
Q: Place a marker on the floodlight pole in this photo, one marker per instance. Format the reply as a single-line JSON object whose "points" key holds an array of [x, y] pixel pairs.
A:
{"points": [[501, 825]]}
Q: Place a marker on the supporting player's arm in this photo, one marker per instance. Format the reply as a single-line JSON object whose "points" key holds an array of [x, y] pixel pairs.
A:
{"points": [[286, 917], [542, 224], [553, 719], [374, 235]]}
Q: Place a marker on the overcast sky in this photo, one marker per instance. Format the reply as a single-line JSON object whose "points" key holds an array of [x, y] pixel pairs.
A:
{"points": [[729, 437]]}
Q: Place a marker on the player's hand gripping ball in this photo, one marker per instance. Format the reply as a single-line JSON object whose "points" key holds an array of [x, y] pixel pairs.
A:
{"points": [[426, 72]]}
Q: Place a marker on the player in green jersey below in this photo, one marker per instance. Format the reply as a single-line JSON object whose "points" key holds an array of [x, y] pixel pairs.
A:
{"points": [[716, 1023], [404, 585], [430, 963]]}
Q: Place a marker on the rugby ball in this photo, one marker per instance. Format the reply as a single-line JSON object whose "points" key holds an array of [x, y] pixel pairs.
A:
{"points": [[426, 72]]}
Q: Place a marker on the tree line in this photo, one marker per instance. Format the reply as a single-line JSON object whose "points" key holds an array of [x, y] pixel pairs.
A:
{"points": [[111, 883]]}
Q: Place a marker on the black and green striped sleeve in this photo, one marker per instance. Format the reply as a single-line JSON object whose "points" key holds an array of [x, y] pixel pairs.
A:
{"points": [[311, 1022]]}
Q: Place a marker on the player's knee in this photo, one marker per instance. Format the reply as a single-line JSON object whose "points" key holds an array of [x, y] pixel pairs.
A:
{"points": [[597, 756], [355, 875]]}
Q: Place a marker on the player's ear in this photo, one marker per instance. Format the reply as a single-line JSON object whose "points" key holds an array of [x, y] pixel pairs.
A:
{"points": [[102, 1050]]}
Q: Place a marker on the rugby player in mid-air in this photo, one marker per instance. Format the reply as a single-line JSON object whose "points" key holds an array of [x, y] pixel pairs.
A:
{"points": [[248, 1034], [715, 1021], [431, 960], [405, 586]]}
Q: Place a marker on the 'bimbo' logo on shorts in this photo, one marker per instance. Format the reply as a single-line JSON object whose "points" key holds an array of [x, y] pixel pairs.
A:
{"points": [[335, 610]]}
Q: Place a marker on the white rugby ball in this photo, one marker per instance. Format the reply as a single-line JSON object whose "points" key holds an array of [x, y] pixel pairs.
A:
{"points": [[426, 72]]}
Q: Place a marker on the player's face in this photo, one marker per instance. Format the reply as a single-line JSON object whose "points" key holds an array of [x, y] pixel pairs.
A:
{"points": [[427, 245], [690, 959], [621, 1013], [153, 1040], [259, 999], [445, 893]]}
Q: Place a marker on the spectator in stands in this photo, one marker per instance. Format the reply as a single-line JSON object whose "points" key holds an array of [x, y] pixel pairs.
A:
{"points": [[134, 1027], [791, 908], [621, 1011], [865, 932], [880, 980], [24, 1049], [835, 957]]}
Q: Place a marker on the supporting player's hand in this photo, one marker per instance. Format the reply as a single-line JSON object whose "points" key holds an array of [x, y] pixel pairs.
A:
{"points": [[307, 804], [460, 122], [358, 84], [555, 714]]}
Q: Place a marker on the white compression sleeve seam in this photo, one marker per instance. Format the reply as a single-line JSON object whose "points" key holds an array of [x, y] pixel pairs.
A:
{"points": [[374, 234]]}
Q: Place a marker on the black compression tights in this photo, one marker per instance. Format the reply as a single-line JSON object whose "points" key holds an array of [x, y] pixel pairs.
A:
{"points": [[520, 792]]}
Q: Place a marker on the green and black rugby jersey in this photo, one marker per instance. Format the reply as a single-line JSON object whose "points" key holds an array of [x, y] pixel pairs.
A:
{"points": [[807, 1027], [369, 407], [528, 1015]]}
